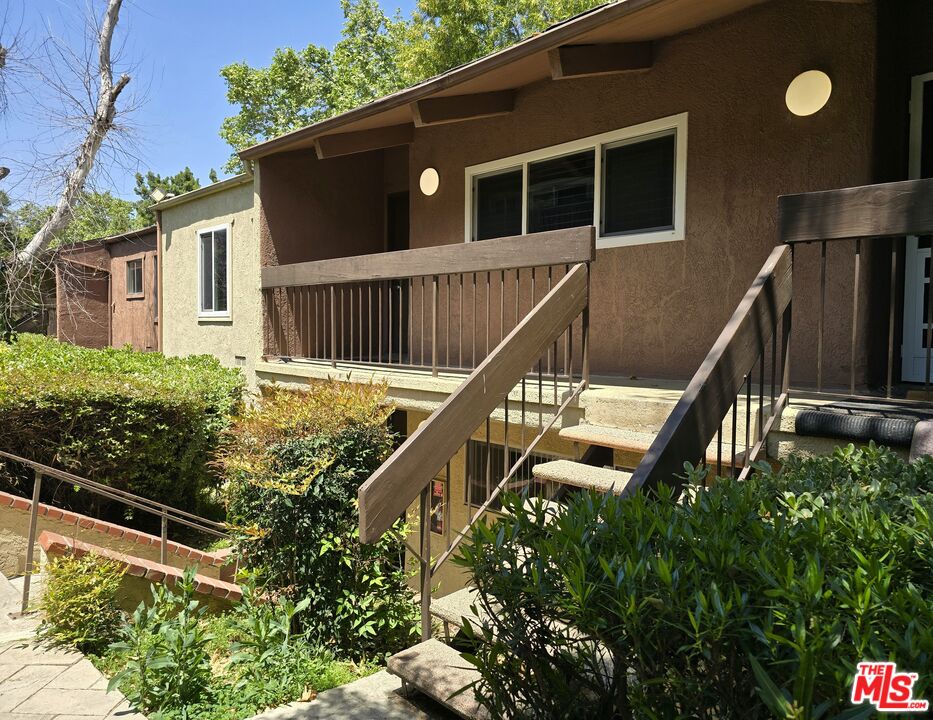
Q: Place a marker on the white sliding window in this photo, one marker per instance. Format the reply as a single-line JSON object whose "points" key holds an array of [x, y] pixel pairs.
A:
{"points": [[213, 269], [630, 183]]}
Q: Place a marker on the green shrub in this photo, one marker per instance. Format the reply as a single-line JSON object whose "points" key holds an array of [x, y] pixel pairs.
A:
{"points": [[747, 600], [175, 662], [137, 421], [294, 465], [79, 606]]}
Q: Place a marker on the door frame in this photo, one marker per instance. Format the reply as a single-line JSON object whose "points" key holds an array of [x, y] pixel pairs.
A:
{"points": [[914, 257]]}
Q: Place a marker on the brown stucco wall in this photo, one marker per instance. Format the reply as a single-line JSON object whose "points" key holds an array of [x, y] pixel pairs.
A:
{"points": [[657, 308], [134, 318], [318, 209]]}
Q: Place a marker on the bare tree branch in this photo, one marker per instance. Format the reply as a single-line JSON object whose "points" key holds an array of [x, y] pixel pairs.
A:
{"points": [[101, 123]]}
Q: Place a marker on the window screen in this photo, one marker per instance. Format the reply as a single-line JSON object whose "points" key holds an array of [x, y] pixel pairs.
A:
{"points": [[499, 205], [560, 192], [638, 193], [134, 277], [477, 487]]}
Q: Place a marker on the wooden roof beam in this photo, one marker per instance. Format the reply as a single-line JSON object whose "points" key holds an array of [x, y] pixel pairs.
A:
{"points": [[328, 146], [456, 108], [573, 61]]}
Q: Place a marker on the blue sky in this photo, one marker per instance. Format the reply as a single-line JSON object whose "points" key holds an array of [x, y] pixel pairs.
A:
{"points": [[179, 47]]}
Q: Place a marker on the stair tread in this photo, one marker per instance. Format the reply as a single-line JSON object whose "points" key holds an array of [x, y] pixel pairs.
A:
{"points": [[577, 474], [633, 441], [454, 607], [438, 671]]}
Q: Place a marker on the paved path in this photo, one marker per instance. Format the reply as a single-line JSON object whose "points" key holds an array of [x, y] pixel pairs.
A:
{"points": [[374, 697], [44, 684]]}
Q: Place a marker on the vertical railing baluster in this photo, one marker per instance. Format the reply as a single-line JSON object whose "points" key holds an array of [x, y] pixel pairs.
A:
{"points": [[31, 540], [820, 319], [501, 305], [359, 308], [460, 325], [434, 308], [473, 320], [422, 321], [585, 340], [447, 362], [333, 327], [855, 288], [719, 451], [369, 290], [411, 323], [891, 304], [735, 423], [379, 334], [163, 546], [761, 391], [488, 315], [748, 411], [425, 562], [389, 319]]}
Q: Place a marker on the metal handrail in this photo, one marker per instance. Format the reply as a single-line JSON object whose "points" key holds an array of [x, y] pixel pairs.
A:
{"points": [[166, 513]]}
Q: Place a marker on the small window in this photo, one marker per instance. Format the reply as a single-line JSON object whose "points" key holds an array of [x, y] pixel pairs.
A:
{"points": [[482, 480], [638, 186], [560, 192], [499, 205], [134, 277], [213, 275]]}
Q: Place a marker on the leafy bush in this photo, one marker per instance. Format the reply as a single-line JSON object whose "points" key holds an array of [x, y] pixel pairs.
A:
{"points": [[294, 465], [175, 662], [79, 605], [138, 421], [746, 600]]}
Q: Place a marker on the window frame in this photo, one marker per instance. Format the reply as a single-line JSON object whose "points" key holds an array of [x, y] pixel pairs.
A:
{"points": [[199, 235], [676, 124], [141, 293]]}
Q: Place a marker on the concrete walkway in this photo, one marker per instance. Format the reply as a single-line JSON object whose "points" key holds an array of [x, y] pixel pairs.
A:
{"points": [[375, 697], [45, 684]]}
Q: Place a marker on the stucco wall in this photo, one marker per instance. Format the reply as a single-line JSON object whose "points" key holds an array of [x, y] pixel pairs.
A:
{"points": [[184, 333], [656, 309]]}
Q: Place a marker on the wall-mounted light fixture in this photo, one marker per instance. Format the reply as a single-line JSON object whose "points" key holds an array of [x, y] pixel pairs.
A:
{"points": [[429, 181], [808, 93]]}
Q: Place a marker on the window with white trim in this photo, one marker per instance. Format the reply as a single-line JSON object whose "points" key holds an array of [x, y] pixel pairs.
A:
{"points": [[213, 262], [134, 277], [630, 183]]}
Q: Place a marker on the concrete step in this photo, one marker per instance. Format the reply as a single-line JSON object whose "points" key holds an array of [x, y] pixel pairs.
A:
{"points": [[631, 446], [589, 477], [438, 671], [10, 597], [452, 608]]}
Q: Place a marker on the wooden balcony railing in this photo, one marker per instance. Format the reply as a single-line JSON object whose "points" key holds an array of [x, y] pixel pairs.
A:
{"points": [[861, 226], [443, 308]]}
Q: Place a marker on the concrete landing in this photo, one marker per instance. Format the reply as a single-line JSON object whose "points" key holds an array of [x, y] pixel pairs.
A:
{"points": [[375, 697], [46, 684]]}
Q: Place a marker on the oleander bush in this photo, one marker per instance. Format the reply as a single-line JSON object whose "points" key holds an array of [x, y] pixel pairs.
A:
{"points": [[138, 421], [750, 599], [79, 605], [294, 463]]}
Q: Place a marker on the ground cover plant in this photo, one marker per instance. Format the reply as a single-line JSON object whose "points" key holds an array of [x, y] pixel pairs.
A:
{"points": [[174, 660], [751, 599], [294, 463], [138, 421]]}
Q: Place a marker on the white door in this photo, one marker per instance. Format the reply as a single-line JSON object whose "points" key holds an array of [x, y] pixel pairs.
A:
{"points": [[917, 267]]}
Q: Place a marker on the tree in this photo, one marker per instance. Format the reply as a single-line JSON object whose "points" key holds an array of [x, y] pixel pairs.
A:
{"points": [[181, 182], [100, 122], [96, 215], [375, 56]]}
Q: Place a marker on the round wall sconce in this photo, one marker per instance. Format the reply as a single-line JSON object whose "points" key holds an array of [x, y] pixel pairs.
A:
{"points": [[808, 93], [429, 181]]}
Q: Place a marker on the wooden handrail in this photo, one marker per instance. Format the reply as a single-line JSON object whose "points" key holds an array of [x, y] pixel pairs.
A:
{"points": [[697, 416], [558, 247], [883, 210], [394, 486]]}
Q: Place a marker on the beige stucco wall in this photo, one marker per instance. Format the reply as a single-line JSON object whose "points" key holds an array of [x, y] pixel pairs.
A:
{"points": [[184, 333]]}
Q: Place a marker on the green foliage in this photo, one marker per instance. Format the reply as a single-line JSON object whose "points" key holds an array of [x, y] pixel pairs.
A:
{"points": [[750, 599], [96, 215], [175, 662], [137, 421], [181, 182], [167, 664], [79, 604], [294, 466], [376, 55]]}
